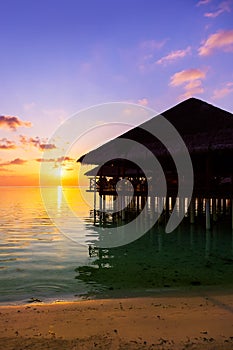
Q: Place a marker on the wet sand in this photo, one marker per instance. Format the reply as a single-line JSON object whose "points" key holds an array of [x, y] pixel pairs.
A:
{"points": [[160, 322]]}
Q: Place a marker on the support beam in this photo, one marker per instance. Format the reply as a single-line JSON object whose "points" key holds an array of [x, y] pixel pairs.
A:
{"points": [[192, 211], [207, 214], [214, 210]]}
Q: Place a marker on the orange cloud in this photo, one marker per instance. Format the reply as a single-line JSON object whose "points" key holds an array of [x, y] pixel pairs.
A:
{"points": [[12, 123], [6, 144], [16, 161], [55, 160], [224, 91], [174, 55], [188, 75], [36, 142], [220, 40], [223, 7]]}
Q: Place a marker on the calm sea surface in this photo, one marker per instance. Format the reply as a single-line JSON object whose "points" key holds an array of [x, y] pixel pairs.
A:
{"points": [[39, 261]]}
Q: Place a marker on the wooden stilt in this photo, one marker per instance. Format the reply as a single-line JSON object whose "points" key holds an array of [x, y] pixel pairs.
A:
{"points": [[100, 209], [192, 211], [137, 199], [214, 210], [200, 206], [94, 200], [224, 206], [104, 208], [207, 214], [232, 214]]}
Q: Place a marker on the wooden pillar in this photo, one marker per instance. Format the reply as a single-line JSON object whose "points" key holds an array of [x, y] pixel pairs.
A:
{"points": [[207, 214], [167, 208], [160, 209], [182, 207], [232, 208], [232, 214], [219, 206], [214, 210], [192, 211], [137, 205], [152, 207], [95, 200], [104, 208], [224, 206], [173, 202], [200, 206], [114, 215], [100, 209]]}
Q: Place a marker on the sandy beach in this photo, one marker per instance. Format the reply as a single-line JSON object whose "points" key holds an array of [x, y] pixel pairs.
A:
{"points": [[203, 321]]}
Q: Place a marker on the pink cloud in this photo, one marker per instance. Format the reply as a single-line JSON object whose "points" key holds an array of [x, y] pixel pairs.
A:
{"points": [[224, 91], [220, 40], [143, 101], [203, 2], [152, 45], [145, 54], [192, 88], [36, 142], [6, 144], [174, 55], [191, 80], [188, 75], [12, 122], [223, 7]]}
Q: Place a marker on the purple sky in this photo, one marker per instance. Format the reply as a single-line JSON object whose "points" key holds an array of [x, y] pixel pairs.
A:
{"points": [[58, 57]]}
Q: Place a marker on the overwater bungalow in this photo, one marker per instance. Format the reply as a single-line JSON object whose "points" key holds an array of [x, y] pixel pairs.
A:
{"points": [[207, 132]]}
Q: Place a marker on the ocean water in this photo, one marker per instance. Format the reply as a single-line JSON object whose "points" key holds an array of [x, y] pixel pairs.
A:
{"points": [[39, 260]]}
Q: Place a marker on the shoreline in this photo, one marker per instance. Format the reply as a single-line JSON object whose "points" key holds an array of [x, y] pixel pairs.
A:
{"points": [[108, 294], [201, 320]]}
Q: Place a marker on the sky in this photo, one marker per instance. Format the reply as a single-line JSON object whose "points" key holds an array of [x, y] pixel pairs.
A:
{"points": [[59, 57]]}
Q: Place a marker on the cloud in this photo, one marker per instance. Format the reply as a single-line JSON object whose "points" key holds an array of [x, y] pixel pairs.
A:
{"points": [[222, 7], [65, 159], [203, 2], [224, 91], [220, 40], [6, 144], [174, 55], [12, 122], [36, 142], [55, 160], [152, 45], [16, 161], [143, 101], [191, 80], [188, 75], [47, 146], [192, 88], [45, 160], [146, 52]]}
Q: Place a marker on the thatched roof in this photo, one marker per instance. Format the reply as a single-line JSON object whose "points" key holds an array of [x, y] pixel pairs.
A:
{"points": [[203, 127]]}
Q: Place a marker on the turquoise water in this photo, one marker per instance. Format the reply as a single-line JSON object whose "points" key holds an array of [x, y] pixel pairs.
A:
{"points": [[39, 261]]}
